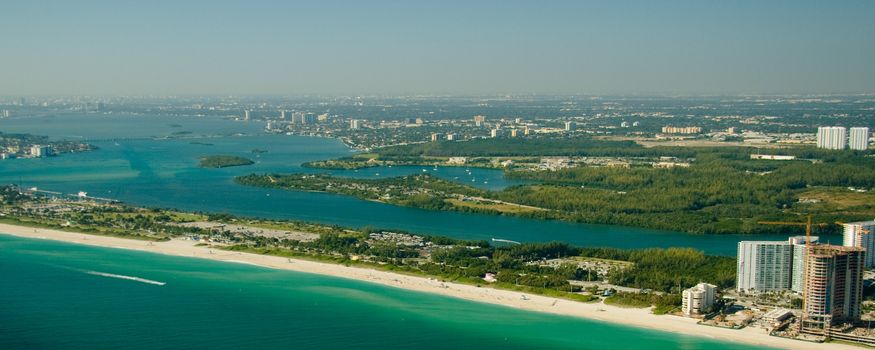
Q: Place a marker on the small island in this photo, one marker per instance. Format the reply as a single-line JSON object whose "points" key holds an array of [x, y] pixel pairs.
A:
{"points": [[224, 161]]}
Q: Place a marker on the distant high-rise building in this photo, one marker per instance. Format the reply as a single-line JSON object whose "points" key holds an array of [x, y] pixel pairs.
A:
{"points": [[322, 117], [858, 138], [514, 133], [569, 126], [698, 299], [833, 286], [451, 137], [40, 151], [246, 115], [7, 113], [435, 137], [526, 131], [832, 137], [308, 118], [730, 130], [493, 133], [282, 115], [479, 120], [518, 120], [354, 124], [862, 235]]}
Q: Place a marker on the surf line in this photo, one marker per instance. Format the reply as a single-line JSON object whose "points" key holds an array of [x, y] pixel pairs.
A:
{"points": [[129, 278]]}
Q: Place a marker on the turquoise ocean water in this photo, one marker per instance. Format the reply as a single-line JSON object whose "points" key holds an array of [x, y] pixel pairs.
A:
{"points": [[50, 298]]}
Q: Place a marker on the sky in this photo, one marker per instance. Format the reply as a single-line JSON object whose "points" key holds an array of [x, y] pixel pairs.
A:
{"points": [[159, 47]]}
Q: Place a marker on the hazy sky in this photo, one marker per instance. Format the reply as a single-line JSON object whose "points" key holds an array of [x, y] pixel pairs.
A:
{"points": [[435, 47]]}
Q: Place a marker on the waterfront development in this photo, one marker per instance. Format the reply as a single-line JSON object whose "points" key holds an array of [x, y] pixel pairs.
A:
{"points": [[476, 174], [164, 173], [261, 308], [161, 169]]}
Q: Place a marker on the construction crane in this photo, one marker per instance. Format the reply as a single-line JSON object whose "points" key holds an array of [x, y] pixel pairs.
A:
{"points": [[807, 225]]}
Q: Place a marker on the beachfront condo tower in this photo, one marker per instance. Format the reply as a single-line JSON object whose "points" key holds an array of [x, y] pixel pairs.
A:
{"points": [[833, 286], [767, 266]]}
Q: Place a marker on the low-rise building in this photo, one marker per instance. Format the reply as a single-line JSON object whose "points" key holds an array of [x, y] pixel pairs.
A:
{"points": [[771, 157], [457, 160], [699, 299]]}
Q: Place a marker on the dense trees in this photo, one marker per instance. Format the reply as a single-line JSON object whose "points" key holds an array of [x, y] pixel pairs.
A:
{"points": [[574, 146], [222, 161]]}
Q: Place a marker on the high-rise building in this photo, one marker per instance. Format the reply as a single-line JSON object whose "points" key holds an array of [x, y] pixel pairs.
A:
{"points": [[569, 126], [354, 124], [833, 285], [764, 266], [435, 137], [493, 133], [282, 115], [832, 137], [451, 137], [526, 131], [860, 234], [698, 299], [308, 118], [797, 273], [40, 151], [246, 115], [7, 113], [858, 138], [514, 133]]}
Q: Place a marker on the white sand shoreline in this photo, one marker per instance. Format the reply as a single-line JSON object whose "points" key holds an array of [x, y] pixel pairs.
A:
{"points": [[640, 318]]}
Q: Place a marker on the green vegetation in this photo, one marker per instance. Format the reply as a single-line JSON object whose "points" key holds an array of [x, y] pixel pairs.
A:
{"points": [[515, 147], [723, 191], [542, 268], [222, 161]]}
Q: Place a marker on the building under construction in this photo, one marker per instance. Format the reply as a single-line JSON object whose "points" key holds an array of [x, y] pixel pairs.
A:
{"points": [[833, 287]]}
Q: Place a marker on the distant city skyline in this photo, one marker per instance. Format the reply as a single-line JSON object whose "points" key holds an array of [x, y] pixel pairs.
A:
{"points": [[440, 48]]}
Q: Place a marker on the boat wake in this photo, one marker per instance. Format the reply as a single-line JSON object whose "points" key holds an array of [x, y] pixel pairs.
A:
{"points": [[123, 277]]}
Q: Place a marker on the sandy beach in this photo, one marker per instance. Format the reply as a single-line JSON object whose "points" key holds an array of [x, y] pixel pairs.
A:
{"points": [[595, 311]]}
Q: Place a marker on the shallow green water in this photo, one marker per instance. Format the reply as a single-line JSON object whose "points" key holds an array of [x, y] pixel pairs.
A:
{"points": [[49, 299]]}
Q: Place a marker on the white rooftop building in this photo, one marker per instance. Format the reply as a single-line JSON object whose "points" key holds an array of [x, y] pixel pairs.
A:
{"points": [[860, 234], [699, 299]]}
